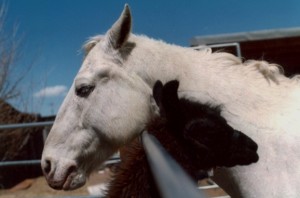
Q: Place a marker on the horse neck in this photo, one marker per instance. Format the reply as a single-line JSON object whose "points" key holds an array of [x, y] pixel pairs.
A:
{"points": [[198, 71], [218, 78]]}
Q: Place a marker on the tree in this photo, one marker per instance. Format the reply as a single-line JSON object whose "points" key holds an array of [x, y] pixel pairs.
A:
{"points": [[10, 74]]}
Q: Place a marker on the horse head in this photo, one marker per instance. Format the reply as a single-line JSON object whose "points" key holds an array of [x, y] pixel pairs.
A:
{"points": [[105, 107]]}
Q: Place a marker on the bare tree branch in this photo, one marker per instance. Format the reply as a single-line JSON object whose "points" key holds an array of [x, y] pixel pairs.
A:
{"points": [[11, 73]]}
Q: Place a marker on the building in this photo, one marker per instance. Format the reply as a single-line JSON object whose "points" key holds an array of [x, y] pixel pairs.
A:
{"points": [[281, 46]]}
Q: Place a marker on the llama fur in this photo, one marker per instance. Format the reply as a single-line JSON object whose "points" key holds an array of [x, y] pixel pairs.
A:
{"points": [[194, 134]]}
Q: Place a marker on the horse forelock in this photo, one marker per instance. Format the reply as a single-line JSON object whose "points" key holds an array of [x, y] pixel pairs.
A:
{"points": [[90, 43]]}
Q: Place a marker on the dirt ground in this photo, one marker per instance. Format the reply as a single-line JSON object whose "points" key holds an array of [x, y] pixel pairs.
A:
{"points": [[38, 188]]}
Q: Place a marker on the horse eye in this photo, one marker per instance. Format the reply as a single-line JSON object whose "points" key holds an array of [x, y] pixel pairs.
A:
{"points": [[84, 91]]}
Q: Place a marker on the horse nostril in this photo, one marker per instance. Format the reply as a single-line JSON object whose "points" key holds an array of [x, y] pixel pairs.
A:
{"points": [[71, 169], [47, 167]]}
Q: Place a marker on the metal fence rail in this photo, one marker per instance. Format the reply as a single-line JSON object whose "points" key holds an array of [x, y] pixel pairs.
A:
{"points": [[26, 125], [171, 180], [222, 45], [20, 163], [113, 159]]}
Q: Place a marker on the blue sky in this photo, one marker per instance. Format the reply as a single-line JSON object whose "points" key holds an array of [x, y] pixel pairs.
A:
{"points": [[53, 32]]}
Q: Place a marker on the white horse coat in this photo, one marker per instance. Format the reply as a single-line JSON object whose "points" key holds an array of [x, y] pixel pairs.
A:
{"points": [[113, 104]]}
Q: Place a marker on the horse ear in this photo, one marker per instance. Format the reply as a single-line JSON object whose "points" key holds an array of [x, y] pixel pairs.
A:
{"points": [[118, 34]]}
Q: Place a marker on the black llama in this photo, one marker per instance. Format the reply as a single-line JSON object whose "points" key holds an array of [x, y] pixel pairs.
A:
{"points": [[195, 135]]}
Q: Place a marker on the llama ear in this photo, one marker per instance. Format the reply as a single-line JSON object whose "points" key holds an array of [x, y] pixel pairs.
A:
{"points": [[172, 107], [157, 92], [118, 34], [169, 93], [170, 101]]}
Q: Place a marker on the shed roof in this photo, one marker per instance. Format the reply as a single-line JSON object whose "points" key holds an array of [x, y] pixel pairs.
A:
{"points": [[246, 36]]}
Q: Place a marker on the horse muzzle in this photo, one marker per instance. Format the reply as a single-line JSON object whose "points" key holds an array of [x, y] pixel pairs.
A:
{"points": [[62, 174]]}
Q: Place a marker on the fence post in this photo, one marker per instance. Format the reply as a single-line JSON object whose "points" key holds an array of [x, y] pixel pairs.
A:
{"points": [[171, 180]]}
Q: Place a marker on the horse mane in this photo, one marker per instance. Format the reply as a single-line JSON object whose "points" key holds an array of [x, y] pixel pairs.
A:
{"points": [[270, 71]]}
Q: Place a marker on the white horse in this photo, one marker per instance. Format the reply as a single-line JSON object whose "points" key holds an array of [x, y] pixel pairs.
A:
{"points": [[110, 102]]}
